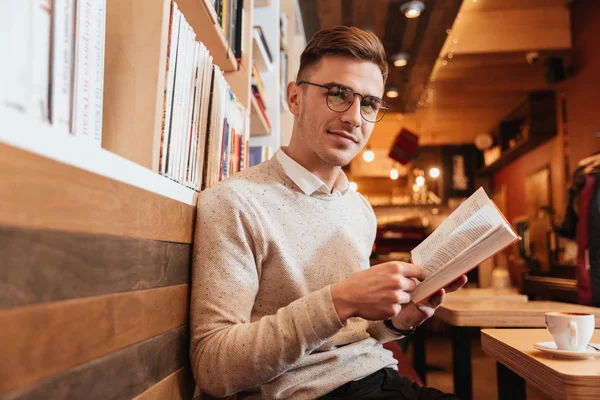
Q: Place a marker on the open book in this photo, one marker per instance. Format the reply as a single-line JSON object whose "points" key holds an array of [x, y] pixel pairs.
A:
{"points": [[474, 232]]}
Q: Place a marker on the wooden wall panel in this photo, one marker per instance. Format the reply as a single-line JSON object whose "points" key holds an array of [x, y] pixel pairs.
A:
{"points": [[37, 192], [42, 266], [120, 375], [37, 341], [179, 385]]}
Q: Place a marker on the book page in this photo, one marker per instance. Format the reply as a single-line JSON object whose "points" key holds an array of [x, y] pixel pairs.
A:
{"points": [[424, 251], [476, 228], [495, 241]]}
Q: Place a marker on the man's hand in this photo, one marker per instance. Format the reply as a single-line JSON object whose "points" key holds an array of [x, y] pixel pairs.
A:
{"points": [[376, 293], [413, 315]]}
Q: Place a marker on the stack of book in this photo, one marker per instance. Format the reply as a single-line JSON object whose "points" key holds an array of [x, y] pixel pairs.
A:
{"points": [[53, 64], [230, 18], [203, 138]]}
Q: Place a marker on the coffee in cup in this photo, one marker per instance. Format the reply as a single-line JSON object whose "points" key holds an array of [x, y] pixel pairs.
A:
{"points": [[571, 331]]}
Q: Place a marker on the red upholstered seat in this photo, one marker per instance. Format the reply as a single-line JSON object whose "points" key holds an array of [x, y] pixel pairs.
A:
{"points": [[404, 366]]}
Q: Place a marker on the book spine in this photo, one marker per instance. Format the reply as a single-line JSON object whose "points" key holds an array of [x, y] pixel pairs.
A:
{"points": [[62, 63], [98, 45], [82, 97], [168, 93]]}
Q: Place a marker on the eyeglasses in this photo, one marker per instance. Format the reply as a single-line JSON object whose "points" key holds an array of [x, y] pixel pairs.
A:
{"points": [[340, 98]]}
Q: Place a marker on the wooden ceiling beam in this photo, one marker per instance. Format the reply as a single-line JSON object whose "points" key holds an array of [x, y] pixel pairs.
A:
{"points": [[432, 37], [510, 30]]}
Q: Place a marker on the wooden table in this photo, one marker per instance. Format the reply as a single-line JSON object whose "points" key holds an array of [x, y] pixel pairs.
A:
{"points": [[518, 361], [462, 295], [486, 294], [464, 316]]}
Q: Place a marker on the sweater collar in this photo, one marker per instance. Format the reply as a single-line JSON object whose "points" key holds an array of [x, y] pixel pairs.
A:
{"points": [[308, 182]]}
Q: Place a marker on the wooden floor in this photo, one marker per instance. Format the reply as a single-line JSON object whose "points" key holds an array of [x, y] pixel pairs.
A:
{"points": [[439, 354]]}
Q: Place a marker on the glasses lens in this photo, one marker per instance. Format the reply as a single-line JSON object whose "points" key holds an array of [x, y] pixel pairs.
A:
{"points": [[372, 108], [339, 99]]}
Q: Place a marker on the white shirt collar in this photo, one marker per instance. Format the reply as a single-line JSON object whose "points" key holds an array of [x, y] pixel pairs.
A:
{"points": [[308, 182]]}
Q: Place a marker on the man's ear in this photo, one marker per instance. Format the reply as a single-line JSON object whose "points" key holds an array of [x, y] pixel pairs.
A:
{"points": [[293, 98]]}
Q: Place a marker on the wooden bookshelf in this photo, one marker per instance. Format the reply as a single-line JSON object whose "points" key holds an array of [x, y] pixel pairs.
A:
{"points": [[135, 68], [41, 138], [258, 123], [202, 17]]}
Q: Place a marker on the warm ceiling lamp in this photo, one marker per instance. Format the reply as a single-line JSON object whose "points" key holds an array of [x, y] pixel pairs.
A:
{"points": [[392, 93], [420, 181], [412, 9], [400, 59], [368, 155], [353, 186], [394, 174], [434, 172]]}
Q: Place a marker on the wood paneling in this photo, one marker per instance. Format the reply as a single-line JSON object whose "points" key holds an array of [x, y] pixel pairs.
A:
{"points": [[43, 266], [179, 385], [37, 192], [120, 375], [40, 340]]}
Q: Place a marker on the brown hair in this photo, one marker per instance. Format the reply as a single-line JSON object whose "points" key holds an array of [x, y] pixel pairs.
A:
{"points": [[346, 41]]}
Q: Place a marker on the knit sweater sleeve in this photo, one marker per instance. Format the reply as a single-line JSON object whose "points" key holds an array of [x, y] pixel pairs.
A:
{"points": [[229, 353]]}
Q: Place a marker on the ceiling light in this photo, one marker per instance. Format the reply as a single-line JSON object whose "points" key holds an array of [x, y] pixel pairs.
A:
{"points": [[400, 59], [392, 93], [420, 181], [368, 156], [434, 172], [412, 9], [394, 174], [353, 186]]}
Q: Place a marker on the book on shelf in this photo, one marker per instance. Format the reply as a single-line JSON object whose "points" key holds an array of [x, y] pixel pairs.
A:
{"points": [[263, 40], [474, 232], [203, 138], [56, 68], [90, 28], [61, 68], [257, 84], [259, 154], [230, 19]]}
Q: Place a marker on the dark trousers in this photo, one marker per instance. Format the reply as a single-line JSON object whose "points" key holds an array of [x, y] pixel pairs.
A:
{"points": [[386, 384]]}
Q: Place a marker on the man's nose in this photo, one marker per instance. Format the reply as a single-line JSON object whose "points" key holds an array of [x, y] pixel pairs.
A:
{"points": [[352, 115]]}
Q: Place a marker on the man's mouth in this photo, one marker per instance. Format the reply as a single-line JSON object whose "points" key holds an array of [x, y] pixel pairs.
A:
{"points": [[343, 134]]}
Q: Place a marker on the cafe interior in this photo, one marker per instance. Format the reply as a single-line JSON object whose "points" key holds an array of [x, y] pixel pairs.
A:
{"points": [[503, 95]]}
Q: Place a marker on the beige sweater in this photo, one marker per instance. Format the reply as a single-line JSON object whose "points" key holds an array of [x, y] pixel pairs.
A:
{"points": [[262, 317]]}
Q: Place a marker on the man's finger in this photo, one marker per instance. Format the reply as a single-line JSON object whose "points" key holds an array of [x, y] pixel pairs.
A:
{"points": [[410, 271], [457, 284]]}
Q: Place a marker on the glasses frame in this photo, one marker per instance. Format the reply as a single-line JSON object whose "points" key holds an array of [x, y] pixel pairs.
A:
{"points": [[385, 108]]}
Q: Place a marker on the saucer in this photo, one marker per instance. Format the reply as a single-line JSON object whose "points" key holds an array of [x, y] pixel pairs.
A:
{"points": [[550, 347]]}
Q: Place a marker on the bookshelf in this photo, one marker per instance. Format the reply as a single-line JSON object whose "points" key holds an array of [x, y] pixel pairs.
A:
{"points": [[43, 139]]}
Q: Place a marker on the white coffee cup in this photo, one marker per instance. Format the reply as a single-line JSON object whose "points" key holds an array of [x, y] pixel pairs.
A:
{"points": [[571, 331]]}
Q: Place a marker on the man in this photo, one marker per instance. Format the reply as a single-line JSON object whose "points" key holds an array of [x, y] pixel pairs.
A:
{"points": [[284, 304]]}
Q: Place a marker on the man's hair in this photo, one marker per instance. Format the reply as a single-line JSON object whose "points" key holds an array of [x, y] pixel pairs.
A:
{"points": [[343, 41]]}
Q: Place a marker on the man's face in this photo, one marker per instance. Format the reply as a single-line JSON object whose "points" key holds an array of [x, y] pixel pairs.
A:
{"points": [[335, 137]]}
